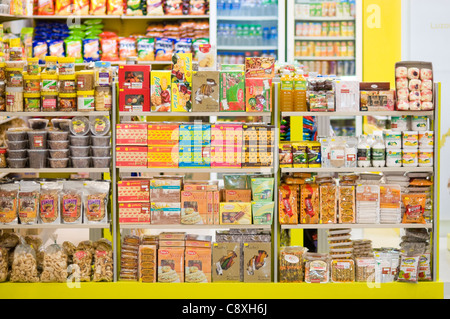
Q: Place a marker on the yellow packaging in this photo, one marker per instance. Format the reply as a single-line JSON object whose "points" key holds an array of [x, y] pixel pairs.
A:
{"points": [[181, 97], [182, 68], [160, 97], [235, 213]]}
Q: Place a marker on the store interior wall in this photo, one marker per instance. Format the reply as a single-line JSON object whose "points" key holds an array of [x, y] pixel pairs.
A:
{"points": [[425, 30]]}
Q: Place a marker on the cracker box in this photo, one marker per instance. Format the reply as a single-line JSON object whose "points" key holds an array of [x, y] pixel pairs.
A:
{"points": [[170, 264], [172, 236], [147, 263], [233, 213], [163, 134], [258, 95], [257, 262], [134, 100], [262, 212], [237, 195], [131, 134], [181, 97], [191, 185], [161, 92], [226, 135], [258, 135], [165, 190], [162, 156], [257, 157], [134, 76], [182, 68], [134, 213], [171, 243], [205, 91], [194, 156], [131, 156], [195, 134], [165, 213], [232, 91], [194, 207], [226, 156], [206, 57], [259, 67], [197, 264], [226, 260], [200, 241], [133, 190]]}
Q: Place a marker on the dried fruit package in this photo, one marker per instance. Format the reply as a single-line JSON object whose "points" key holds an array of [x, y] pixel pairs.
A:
{"points": [[409, 268], [28, 202], [291, 263], [71, 202], [415, 207], [95, 199], [317, 267], [49, 202], [309, 204], [8, 203]]}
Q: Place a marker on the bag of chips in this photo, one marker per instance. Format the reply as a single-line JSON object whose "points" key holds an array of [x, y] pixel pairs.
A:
{"points": [[415, 207]]}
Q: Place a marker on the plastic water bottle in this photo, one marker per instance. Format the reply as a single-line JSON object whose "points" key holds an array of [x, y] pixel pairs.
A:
{"points": [[236, 8], [229, 7], [226, 34], [265, 10], [257, 11], [266, 36], [239, 34], [258, 35], [220, 7], [273, 36], [245, 33], [251, 35], [232, 35]]}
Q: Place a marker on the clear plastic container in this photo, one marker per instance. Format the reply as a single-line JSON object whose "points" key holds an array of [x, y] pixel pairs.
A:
{"points": [[66, 65], [80, 151], [49, 83], [54, 153], [79, 125], [14, 77], [58, 145], [17, 162], [67, 83], [18, 145], [61, 124], [101, 151], [77, 140], [81, 162], [86, 101], [16, 135], [51, 65], [31, 83], [49, 101], [58, 162], [67, 102], [33, 67], [37, 158], [101, 162], [18, 154], [103, 98], [103, 73], [100, 125], [37, 140], [58, 135], [2, 71], [3, 157], [14, 99], [85, 80], [38, 124], [104, 140], [32, 102]]}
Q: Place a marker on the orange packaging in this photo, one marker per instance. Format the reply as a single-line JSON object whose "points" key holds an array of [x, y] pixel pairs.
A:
{"points": [[129, 191], [194, 207], [170, 265], [163, 156], [415, 207], [81, 7], [237, 195], [114, 7], [288, 204], [197, 264], [134, 213], [131, 156], [347, 209], [171, 243], [309, 204], [147, 263], [45, 7], [63, 7], [328, 204], [216, 207], [163, 134], [259, 67], [97, 7], [131, 134], [210, 209]]}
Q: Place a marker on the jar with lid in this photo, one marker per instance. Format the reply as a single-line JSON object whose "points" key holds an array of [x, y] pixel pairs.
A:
{"points": [[31, 83], [33, 67], [103, 75], [103, 98], [51, 65], [67, 83], [15, 53], [49, 82], [66, 65], [67, 102], [2, 71], [85, 100], [14, 77], [32, 102], [85, 80], [14, 99], [49, 101]]}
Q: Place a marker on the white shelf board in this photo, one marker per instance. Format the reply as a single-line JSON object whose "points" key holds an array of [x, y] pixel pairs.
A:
{"points": [[324, 18], [54, 170], [165, 114], [356, 169], [325, 58], [360, 113], [6, 120], [247, 47], [55, 17], [123, 17], [55, 226], [353, 226], [247, 18], [46, 114], [179, 226], [307, 38], [264, 170]]}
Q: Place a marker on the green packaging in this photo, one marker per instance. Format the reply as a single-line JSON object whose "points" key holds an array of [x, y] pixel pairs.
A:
{"points": [[263, 212], [232, 91], [262, 189]]}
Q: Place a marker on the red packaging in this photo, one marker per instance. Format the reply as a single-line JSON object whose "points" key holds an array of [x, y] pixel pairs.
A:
{"points": [[131, 134], [134, 213], [132, 191], [131, 156], [134, 100], [134, 76]]}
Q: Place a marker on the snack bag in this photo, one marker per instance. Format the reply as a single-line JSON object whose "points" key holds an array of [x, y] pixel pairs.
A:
{"points": [[56, 48], [146, 49], [40, 49], [74, 49], [127, 48], [54, 264], [80, 7], [164, 48], [63, 7], [114, 7], [8, 203], [173, 7], [309, 204], [109, 46], [97, 7], [91, 50], [155, 8], [409, 269], [45, 7], [95, 198], [415, 207], [197, 7], [135, 8], [24, 265]]}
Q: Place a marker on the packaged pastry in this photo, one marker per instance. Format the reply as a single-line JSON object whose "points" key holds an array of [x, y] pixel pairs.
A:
{"points": [[291, 263], [288, 204], [415, 207], [342, 270], [316, 267], [328, 204], [309, 204], [346, 204], [365, 269]]}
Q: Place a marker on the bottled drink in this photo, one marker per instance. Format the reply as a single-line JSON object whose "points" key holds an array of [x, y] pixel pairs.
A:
{"points": [[258, 34], [238, 40], [299, 92], [287, 87], [363, 152], [245, 33], [220, 34], [221, 7], [235, 8], [378, 152], [226, 34], [266, 36], [232, 35], [229, 7], [273, 36], [252, 35], [265, 7]]}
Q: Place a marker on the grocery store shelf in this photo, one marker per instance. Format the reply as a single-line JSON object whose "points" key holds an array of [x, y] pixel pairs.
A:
{"points": [[166, 17], [56, 226], [324, 18], [264, 170], [45, 114], [46, 17], [355, 169], [124, 62], [247, 47], [165, 114], [9, 17], [6, 120], [54, 170], [306, 38], [353, 226], [360, 113], [123, 17], [247, 18], [325, 58], [153, 226]]}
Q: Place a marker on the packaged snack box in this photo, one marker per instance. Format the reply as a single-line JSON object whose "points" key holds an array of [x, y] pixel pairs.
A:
{"points": [[165, 190], [165, 213], [226, 156], [172, 236], [162, 156], [205, 91], [161, 91], [237, 195], [134, 100], [206, 57], [257, 262], [263, 212], [195, 135], [232, 67], [258, 94], [163, 134], [194, 207], [226, 135], [131, 156], [171, 265], [232, 91], [181, 97], [235, 213], [182, 68], [288, 204], [197, 264], [259, 67], [309, 204], [147, 263], [131, 134], [262, 189], [134, 76], [134, 213], [196, 156], [133, 190], [226, 260]]}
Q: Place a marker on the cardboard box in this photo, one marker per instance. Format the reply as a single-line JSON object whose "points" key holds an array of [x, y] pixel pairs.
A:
{"points": [[165, 213], [134, 100], [262, 212], [171, 265], [262, 188], [197, 264], [195, 135], [165, 189], [226, 135], [194, 156], [171, 243], [232, 91], [259, 67], [134, 190], [134, 76], [181, 97], [205, 91], [235, 213], [257, 262], [237, 195], [182, 68], [226, 260], [309, 207], [200, 241], [131, 156], [161, 91], [232, 67], [258, 135], [161, 156], [285, 154], [194, 208], [191, 185], [163, 134], [134, 213], [226, 156], [258, 95], [288, 196], [131, 134], [257, 157], [172, 236], [205, 59], [347, 96], [216, 207], [147, 263]]}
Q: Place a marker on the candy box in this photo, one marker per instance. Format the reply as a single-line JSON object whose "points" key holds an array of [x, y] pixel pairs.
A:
{"points": [[226, 156], [257, 262], [165, 213], [197, 261], [234, 213], [163, 156], [181, 97], [165, 189], [376, 96], [226, 135], [131, 156], [259, 67], [131, 134], [263, 212], [134, 76], [170, 264], [226, 260], [194, 207], [196, 156], [205, 91], [160, 97], [232, 91], [134, 100], [133, 190], [182, 68], [206, 57], [134, 213], [195, 135], [258, 94], [163, 134]]}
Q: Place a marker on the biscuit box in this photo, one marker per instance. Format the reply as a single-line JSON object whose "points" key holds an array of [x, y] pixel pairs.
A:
{"points": [[165, 190], [170, 264], [226, 261], [258, 95], [134, 76], [259, 67], [206, 57], [226, 156], [226, 135], [165, 213], [205, 91], [181, 97], [194, 207], [134, 213], [133, 190], [134, 100], [237, 195], [233, 213], [195, 135], [197, 263], [232, 91], [182, 68], [162, 156], [200, 241], [263, 212], [257, 262], [194, 156], [163, 134], [131, 156], [131, 134], [161, 92], [172, 236]]}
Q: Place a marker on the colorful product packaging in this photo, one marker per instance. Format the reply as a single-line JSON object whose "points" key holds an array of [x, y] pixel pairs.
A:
{"points": [[182, 68], [196, 156], [259, 67], [165, 213], [288, 204], [163, 156], [197, 264], [134, 76], [232, 91], [133, 190], [134, 100], [205, 91], [181, 96], [160, 91], [134, 213], [131, 156], [131, 134], [257, 260], [263, 212], [147, 263], [194, 207], [234, 213], [226, 260], [226, 156], [262, 189], [170, 265], [195, 135], [167, 189], [163, 134], [237, 195], [258, 94]]}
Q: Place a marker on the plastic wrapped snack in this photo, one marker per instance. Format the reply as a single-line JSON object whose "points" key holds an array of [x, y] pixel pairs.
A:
{"points": [[49, 202], [365, 269], [71, 202], [24, 265], [413, 73], [426, 74], [28, 205], [291, 263], [342, 270], [409, 268], [317, 267], [328, 204], [415, 207], [54, 264], [82, 261], [95, 198], [4, 257], [8, 203], [103, 261]]}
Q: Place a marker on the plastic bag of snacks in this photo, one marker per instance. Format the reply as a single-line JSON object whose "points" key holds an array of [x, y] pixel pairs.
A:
{"points": [[54, 264], [197, 7], [164, 49], [91, 49], [97, 7], [71, 202], [8, 203], [127, 48], [28, 205], [135, 7], [409, 268], [173, 7], [103, 261], [155, 8], [63, 7], [49, 202], [81, 7], [114, 7], [146, 49], [415, 207], [291, 263], [45, 7], [74, 48], [317, 267], [109, 46], [82, 261], [4, 257], [24, 266], [95, 198]]}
